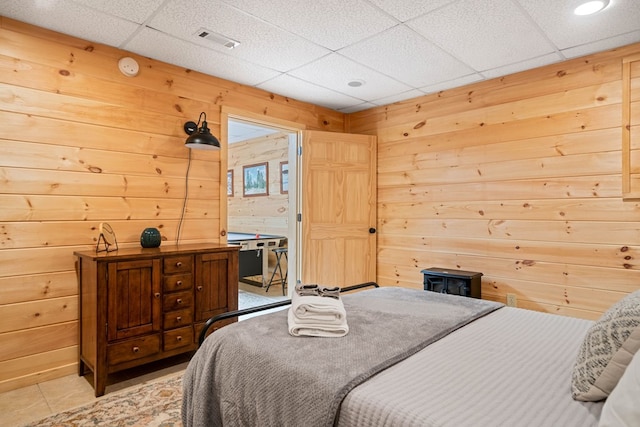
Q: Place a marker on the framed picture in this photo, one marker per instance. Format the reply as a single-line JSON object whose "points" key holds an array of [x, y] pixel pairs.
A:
{"points": [[230, 183], [284, 177], [256, 180]]}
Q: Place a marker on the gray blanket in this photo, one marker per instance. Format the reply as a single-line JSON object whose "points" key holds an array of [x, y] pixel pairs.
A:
{"points": [[253, 373]]}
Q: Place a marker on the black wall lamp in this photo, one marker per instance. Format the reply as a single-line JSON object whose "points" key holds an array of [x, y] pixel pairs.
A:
{"points": [[200, 138]]}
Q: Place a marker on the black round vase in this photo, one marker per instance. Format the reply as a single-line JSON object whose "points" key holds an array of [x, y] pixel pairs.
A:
{"points": [[150, 238]]}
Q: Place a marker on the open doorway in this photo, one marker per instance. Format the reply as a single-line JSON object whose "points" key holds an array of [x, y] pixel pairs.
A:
{"points": [[261, 208]]}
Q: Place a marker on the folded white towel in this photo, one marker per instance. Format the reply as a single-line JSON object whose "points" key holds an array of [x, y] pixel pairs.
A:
{"points": [[320, 329], [317, 316], [316, 309]]}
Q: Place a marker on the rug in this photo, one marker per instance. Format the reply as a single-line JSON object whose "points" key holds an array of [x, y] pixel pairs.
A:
{"points": [[250, 299], [153, 404]]}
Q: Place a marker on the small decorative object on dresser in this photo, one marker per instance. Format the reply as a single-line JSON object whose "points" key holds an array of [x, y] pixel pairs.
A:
{"points": [[150, 238], [107, 238]]}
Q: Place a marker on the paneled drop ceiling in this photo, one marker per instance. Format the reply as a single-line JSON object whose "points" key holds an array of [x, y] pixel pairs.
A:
{"points": [[318, 51]]}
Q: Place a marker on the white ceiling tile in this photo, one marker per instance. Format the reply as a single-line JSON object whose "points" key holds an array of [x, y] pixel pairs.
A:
{"points": [[524, 65], [310, 49], [260, 42], [333, 24], [335, 71], [238, 130], [301, 90], [135, 11], [160, 46], [565, 29], [407, 56], [404, 10], [359, 107], [413, 93], [68, 17], [462, 81], [600, 45], [485, 34]]}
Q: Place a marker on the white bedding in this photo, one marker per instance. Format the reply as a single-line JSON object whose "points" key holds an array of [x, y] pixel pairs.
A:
{"points": [[510, 368], [254, 373]]}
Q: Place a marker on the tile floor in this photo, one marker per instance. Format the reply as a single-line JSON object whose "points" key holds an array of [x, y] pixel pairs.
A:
{"points": [[18, 407]]}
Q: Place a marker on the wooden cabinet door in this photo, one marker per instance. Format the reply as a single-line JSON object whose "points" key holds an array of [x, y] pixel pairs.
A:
{"points": [[216, 281], [338, 208], [134, 303]]}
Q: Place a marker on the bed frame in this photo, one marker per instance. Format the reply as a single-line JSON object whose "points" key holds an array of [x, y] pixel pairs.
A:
{"points": [[501, 366], [256, 309]]}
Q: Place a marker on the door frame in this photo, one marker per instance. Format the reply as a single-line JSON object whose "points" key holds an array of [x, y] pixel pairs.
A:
{"points": [[295, 132]]}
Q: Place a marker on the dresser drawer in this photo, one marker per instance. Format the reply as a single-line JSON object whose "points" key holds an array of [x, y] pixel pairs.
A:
{"points": [[177, 282], [177, 319], [177, 264], [176, 338], [133, 349], [177, 301]]}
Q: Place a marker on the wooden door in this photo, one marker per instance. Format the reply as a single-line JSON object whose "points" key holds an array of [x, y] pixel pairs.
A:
{"points": [[134, 306], [338, 192], [216, 282]]}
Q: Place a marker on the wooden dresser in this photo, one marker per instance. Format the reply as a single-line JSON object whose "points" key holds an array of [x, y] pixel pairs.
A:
{"points": [[138, 305]]}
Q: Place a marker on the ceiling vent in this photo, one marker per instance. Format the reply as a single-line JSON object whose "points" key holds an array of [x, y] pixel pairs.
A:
{"points": [[217, 38]]}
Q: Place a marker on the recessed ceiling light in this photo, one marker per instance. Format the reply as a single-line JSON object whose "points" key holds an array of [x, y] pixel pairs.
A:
{"points": [[591, 7], [356, 83]]}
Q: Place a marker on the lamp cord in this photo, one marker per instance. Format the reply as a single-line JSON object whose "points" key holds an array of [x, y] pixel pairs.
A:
{"points": [[186, 194]]}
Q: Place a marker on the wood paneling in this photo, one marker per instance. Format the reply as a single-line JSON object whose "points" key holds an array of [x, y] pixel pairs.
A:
{"points": [[38, 313], [49, 365], [260, 214], [37, 286], [519, 178], [82, 144]]}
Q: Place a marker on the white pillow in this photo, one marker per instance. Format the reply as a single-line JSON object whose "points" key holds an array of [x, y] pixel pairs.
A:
{"points": [[622, 407], [607, 350]]}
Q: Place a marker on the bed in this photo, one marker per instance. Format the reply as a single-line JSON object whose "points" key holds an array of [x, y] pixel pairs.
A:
{"points": [[411, 358]]}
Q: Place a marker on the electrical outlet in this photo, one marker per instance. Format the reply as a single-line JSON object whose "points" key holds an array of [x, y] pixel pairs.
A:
{"points": [[512, 300]]}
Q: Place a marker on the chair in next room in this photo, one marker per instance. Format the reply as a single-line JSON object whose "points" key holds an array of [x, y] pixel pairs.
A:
{"points": [[280, 253]]}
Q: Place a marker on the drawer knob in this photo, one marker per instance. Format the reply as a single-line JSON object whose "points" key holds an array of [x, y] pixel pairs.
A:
{"points": [[179, 300], [157, 295], [179, 338], [136, 349], [179, 264], [179, 283], [199, 288], [179, 319]]}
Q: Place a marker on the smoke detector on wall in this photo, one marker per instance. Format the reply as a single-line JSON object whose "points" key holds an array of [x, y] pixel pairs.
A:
{"points": [[128, 66]]}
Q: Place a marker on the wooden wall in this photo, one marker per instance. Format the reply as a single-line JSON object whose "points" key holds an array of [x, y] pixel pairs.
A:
{"points": [[82, 144], [518, 178], [259, 214]]}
